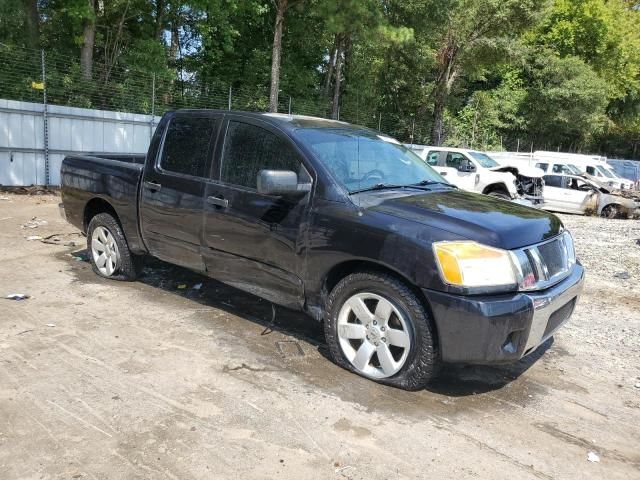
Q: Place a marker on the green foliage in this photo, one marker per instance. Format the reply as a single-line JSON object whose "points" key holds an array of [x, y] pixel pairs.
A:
{"points": [[552, 73]]}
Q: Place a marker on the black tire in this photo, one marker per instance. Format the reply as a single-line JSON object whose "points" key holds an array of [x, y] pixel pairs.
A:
{"points": [[499, 194], [130, 265], [610, 211], [421, 362]]}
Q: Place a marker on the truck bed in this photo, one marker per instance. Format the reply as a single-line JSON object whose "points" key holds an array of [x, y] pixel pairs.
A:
{"points": [[112, 178]]}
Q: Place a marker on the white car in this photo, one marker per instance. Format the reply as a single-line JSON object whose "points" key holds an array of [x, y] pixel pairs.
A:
{"points": [[575, 194], [477, 172]]}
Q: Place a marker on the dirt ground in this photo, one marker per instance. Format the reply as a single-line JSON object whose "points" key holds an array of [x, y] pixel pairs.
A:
{"points": [[110, 380]]}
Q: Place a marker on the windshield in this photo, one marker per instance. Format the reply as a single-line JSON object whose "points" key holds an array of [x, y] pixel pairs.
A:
{"points": [[484, 160], [604, 171], [613, 173], [575, 170], [361, 159]]}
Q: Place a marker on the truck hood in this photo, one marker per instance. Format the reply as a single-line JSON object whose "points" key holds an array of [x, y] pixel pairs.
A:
{"points": [[524, 170], [485, 219]]}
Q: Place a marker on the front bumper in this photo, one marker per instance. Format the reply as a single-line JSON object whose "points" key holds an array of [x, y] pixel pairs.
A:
{"points": [[501, 328]]}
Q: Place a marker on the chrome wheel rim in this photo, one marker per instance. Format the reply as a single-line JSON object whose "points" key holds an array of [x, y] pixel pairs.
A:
{"points": [[373, 335], [104, 249]]}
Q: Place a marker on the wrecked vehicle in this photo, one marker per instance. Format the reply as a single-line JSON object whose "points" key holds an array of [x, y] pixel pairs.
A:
{"points": [[577, 194], [477, 172], [405, 270]]}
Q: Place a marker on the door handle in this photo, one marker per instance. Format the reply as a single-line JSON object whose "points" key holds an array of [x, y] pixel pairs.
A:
{"points": [[152, 186], [218, 202]]}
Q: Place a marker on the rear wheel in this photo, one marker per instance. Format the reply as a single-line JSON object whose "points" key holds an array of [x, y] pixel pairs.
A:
{"points": [[108, 250], [376, 327]]}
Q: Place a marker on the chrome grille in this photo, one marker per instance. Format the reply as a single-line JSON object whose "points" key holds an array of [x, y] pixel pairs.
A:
{"points": [[554, 256], [545, 264]]}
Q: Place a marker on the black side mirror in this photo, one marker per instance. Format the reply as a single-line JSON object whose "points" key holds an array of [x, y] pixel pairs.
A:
{"points": [[466, 166], [281, 182]]}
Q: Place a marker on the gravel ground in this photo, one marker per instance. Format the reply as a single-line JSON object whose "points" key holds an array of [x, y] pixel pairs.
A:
{"points": [[113, 380]]}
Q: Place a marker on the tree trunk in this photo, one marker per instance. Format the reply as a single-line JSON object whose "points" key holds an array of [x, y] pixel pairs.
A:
{"points": [[447, 74], [159, 26], [281, 6], [32, 23], [330, 66], [335, 105], [88, 41]]}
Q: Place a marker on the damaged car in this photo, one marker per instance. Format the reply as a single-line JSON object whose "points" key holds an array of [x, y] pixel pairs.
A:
{"points": [[477, 172], [576, 194]]}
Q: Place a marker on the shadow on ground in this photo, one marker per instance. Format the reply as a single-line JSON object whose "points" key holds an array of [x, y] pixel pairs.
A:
{"points": [[452, 380]]}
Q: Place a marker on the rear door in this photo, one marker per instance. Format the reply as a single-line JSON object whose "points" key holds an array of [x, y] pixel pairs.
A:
{"points": [[254, 241], [171, 199]]}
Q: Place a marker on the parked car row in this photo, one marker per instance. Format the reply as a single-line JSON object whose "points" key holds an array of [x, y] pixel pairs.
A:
{"points": [[557, 182], [478, 172]]}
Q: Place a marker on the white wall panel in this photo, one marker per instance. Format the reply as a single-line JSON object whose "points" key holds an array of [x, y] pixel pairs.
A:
{"points": [[71, 130]]}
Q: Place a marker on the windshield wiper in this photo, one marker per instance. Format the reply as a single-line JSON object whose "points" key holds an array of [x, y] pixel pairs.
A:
{"points": [[425, 183], [377, 186]]}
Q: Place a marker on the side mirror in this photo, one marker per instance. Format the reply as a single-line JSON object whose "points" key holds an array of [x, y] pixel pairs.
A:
{"points": [[466, 166], [281, 183]]}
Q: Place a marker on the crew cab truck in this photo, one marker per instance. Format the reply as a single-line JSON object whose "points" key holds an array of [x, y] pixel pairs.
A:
{"points": [[478, 172], [405, 270]]}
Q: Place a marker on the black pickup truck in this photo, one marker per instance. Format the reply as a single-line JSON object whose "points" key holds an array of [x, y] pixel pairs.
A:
{"points": [[340, 221]]}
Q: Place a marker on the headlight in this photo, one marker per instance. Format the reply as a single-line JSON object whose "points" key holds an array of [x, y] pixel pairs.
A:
{"points": [[470, 264]]}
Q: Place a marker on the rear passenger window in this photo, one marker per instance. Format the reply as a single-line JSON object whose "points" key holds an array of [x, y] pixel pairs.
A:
{"points": [[543, 166], [432, 158], [249, 149], [186, 145]]}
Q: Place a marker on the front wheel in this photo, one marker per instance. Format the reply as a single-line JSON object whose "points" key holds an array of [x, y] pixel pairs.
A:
{"points": [[499, 194], [376, 327], [108, 250]]}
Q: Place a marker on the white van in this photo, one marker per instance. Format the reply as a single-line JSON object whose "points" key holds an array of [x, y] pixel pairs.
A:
{"points": [[477, 172]]}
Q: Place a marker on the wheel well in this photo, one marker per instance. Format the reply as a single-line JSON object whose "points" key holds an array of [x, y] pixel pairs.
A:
{"points": [[96, 206], [496, 187], [340, 271]]}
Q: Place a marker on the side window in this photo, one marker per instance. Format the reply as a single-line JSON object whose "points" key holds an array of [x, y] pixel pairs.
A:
{"points": [[553, 181], [432, 158], [559, 168], [543, 166], [591, 170], [454, 160], [249, 149], [186, 145]]}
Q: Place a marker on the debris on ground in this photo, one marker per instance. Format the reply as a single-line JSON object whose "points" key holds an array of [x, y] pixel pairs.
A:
{"points": [[32, 190], [17, 296], [33, 237], [182, 286], [623, 275], [61, 239], [197, 286], [35, 222], [50, 324], [592, 457], [4, 198]]}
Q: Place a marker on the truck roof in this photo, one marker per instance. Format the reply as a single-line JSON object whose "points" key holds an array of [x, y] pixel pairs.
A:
{"points": [[283, 120]]}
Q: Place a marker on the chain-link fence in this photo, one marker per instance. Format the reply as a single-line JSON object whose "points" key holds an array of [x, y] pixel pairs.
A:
{"points": [[50, 78], [27, 74]]}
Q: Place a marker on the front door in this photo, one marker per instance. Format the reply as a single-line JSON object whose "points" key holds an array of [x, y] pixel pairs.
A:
{"points": [[171, 198], [464, 180], [254, 241]]}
